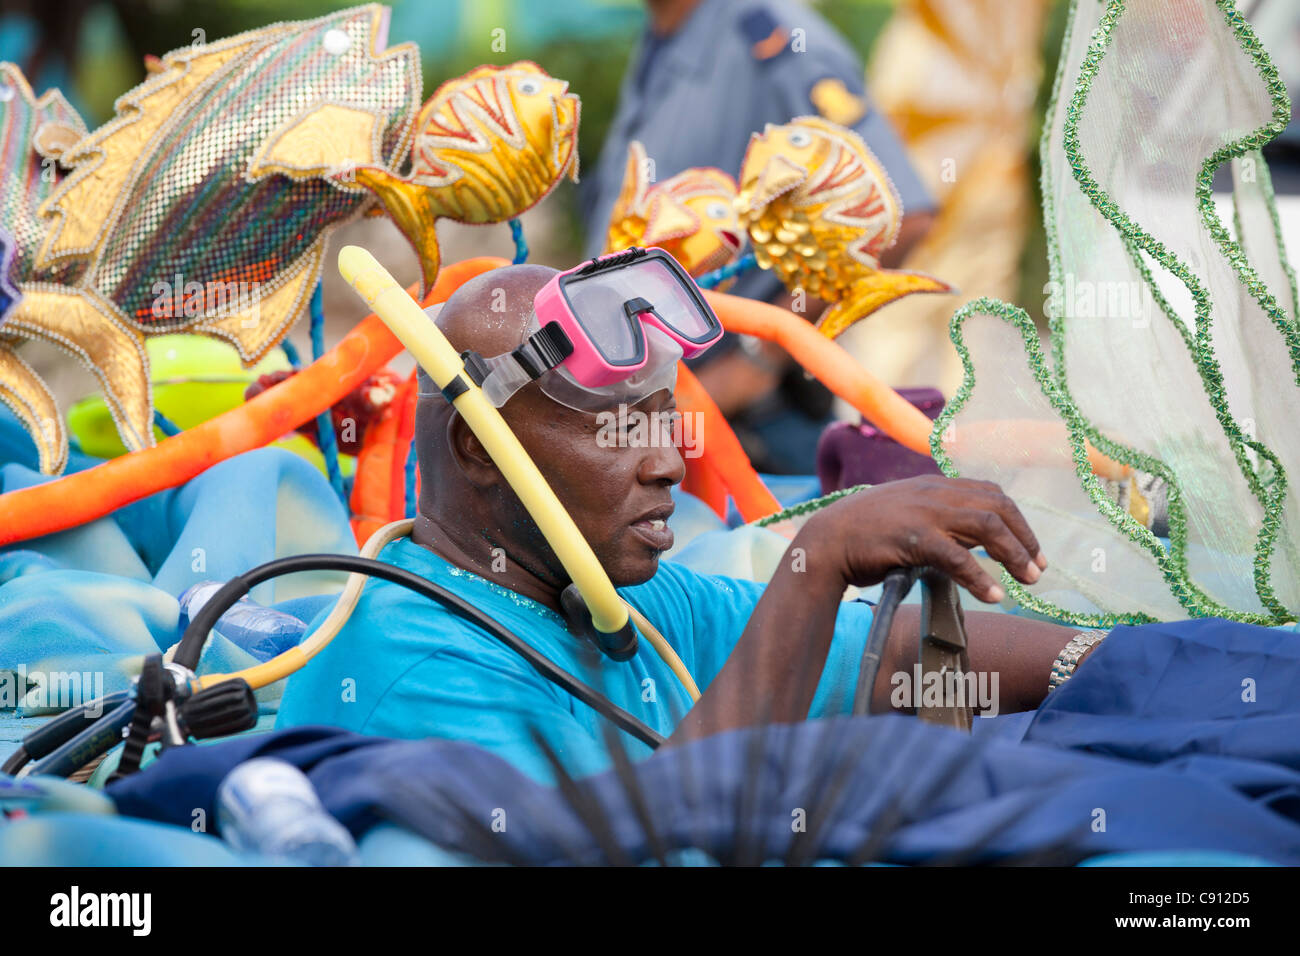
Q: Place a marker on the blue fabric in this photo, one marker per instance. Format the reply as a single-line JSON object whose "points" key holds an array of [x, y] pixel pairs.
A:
{"points": [[71, 839], [1197, 691], [1185, 735], [17, 447], [93, 600], [1139, 753], [185, 779], [405, 667]]}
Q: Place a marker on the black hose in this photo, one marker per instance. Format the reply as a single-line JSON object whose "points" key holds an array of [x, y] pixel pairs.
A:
{"points": [[99, 738], [15, 761], [59, 731], [153, 690], [191, 645], [896, 586]]}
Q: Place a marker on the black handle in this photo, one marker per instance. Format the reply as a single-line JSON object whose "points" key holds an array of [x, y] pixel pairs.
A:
{"points": [[220, 710], [896, 586]]}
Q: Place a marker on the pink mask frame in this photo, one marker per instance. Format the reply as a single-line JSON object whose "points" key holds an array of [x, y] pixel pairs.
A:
{"points": [[591, 326], [608, 348]]}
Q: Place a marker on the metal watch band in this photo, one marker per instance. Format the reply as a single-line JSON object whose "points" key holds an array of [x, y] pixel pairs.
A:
{"points": [[1064, 665]]}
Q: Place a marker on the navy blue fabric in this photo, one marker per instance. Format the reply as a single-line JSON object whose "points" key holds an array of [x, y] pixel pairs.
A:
{"points": [[1165, 691], [185, 779], [1150, 747]]}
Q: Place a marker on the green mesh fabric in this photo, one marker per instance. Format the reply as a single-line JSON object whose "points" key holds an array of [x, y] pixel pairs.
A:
{"points": [[1173, 338]]}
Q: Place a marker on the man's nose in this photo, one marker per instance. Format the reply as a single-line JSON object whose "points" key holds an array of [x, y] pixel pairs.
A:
{"points": [[662, 462]]}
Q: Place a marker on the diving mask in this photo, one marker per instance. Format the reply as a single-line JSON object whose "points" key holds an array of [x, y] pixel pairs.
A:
{"points": [[607, 332]]}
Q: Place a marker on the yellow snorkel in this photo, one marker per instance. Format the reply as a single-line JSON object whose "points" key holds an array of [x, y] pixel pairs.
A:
{"points": [[430, 348], [613, 622]]}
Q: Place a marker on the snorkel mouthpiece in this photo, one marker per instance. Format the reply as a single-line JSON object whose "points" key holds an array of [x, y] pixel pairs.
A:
{"points": [[618, 646], [430, 348]]}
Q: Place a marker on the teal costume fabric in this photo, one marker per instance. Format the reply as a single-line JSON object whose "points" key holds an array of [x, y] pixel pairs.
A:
{"points": [[89, 603], [404, 667]]}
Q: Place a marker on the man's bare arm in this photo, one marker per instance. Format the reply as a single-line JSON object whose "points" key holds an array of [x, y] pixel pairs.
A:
{"points": [[773, 672]]}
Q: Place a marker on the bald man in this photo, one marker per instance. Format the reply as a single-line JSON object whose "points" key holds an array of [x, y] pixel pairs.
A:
{"points": [[403, 666]]}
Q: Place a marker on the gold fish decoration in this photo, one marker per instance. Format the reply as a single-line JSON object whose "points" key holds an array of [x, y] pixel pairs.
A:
{"points": [[692, 215], [33, 133], [820, 211], [205, 204], [488, 146]]}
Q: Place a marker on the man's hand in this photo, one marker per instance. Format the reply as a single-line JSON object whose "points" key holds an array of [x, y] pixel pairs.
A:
{"points": [[924, 521], [772, 674]]}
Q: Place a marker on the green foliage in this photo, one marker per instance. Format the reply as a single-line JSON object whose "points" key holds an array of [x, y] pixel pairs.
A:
{"points": [[860, 21]]}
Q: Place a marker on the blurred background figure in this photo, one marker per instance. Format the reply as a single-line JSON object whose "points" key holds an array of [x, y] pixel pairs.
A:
{"points": [[703, 77]]}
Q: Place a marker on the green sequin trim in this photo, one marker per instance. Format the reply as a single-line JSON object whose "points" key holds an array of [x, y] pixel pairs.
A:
{"points": [[1269, 489], [805, 507], [1125, 522]]}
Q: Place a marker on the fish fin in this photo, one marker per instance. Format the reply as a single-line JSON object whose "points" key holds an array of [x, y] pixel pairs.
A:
{"points": [[835, 319], [668, 219], [87, 327], [872, 293], [636, 181], [30, 399], [628, 214], [411, 208], [53, 139], [777, 177], [260, 324], [324, 140]]}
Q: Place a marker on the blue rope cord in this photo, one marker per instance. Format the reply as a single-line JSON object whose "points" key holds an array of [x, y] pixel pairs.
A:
{"points": [[715, 278], [521, 244], [410, 480], [291, 353], [165, 424], [329, 445]]}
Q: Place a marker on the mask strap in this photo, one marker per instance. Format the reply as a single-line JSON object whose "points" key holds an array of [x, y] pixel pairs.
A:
{"points": [[503, 375]]}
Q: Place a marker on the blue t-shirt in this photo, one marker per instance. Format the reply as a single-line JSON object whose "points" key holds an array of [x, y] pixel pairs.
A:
{"points": [[404, 666]]}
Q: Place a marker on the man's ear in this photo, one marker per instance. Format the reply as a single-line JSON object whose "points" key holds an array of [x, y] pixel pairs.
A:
{"points": [[472, 458]]}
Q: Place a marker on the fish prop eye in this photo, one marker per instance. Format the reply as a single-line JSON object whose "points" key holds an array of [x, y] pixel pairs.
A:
{"points": [[799, 138], [718, 210], [529, 86]]}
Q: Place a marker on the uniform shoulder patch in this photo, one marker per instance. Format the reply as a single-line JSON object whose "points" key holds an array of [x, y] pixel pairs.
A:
{"points": [[766, 36], [833, 101]]}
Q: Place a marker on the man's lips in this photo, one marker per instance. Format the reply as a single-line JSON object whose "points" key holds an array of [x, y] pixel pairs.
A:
{"points": [[652, 527]]}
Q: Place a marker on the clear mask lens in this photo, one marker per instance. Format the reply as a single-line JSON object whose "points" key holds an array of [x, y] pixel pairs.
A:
{"points": [[659, 372], [598, 302]]}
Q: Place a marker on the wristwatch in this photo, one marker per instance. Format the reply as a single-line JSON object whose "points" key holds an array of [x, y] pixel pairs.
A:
{"points": [[1064, 665]]}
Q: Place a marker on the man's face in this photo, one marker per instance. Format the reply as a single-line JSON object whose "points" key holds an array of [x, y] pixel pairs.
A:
{"points": [[612, 471]]}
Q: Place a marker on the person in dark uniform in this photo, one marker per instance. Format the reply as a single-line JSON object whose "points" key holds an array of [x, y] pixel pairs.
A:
{"points": [[707, 74]]}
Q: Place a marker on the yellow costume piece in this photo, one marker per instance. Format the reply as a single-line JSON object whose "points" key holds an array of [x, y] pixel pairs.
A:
{"points": [[691, 215], [489, 145], [820, 211]]}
